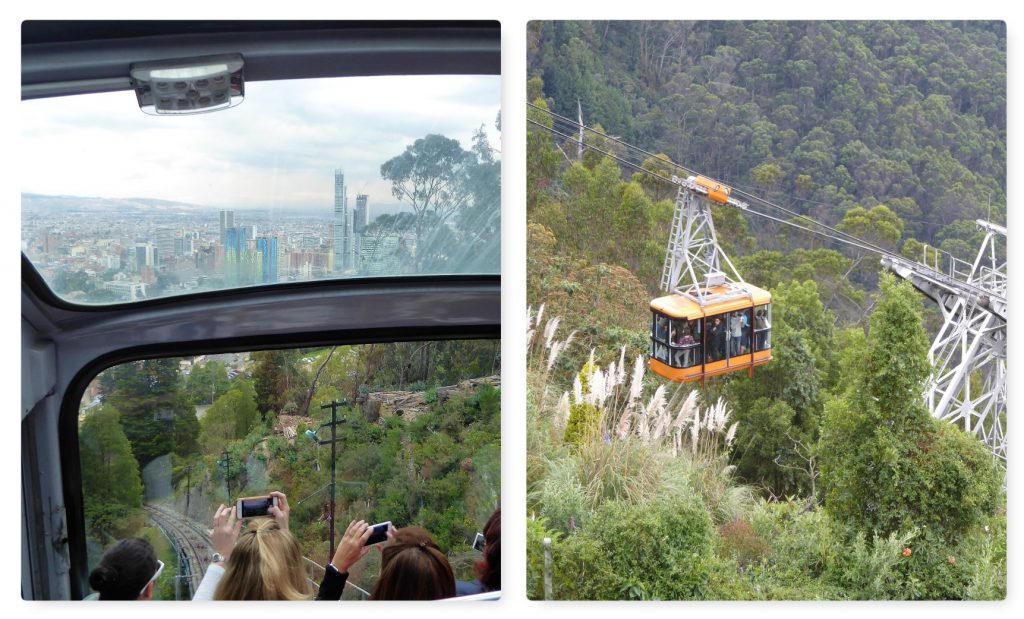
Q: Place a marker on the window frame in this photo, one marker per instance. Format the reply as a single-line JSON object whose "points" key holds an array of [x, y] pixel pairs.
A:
{"points": [[767, 330], [102, 51]]}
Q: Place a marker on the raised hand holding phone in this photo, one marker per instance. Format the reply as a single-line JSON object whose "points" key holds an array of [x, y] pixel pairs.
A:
{"points": [[225, 530], [353, 545], [280, 510]]}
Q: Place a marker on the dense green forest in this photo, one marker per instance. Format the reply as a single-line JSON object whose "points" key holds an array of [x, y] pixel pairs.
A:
{"points": [[823, 476], [207, 435]]}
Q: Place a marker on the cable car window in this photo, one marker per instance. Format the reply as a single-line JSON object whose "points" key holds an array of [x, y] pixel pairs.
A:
{"points": [[717, 337], [687, 347], [660, 327], [307, 179], [738, 328], [762, 327], [164, 442], [660, 337]]}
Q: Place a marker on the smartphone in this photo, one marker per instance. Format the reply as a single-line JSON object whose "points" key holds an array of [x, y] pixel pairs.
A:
{"points": [[479, 542], [252, 506], [380, 533]]}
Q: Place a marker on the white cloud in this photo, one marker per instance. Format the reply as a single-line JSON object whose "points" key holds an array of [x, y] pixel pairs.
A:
{"points": [[278, 148]]}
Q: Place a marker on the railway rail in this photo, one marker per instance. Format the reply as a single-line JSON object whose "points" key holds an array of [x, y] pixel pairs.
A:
{"points": [[191, 542]]}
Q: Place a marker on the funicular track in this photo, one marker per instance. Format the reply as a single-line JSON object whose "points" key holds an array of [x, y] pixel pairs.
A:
{"points": [[191, 542]]}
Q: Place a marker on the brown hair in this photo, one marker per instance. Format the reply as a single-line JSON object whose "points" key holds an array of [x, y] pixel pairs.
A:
{"points": [[414, 568], [488, 571], [266, 564]]}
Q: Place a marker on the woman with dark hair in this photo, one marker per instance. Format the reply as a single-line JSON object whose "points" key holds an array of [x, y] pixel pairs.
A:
{"points": [[488, 570], [128, 571], [412, 566]]}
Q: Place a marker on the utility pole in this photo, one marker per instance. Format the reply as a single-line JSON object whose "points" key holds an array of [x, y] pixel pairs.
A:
{"points": [[333, 424], [226, 463]]}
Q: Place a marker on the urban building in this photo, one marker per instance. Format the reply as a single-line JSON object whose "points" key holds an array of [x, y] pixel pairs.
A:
{"points": [[344, 236], [227, 221]]}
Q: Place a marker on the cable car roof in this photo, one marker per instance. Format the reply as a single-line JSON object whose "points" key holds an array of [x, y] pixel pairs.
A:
{"points": [[678, 306]]}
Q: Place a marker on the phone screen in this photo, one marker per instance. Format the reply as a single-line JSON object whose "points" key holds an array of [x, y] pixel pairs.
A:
{"points": [[380, 533], [257, 506]]}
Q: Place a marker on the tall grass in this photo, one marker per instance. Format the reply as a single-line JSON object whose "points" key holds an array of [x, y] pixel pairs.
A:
{"points": [[647, 442]]}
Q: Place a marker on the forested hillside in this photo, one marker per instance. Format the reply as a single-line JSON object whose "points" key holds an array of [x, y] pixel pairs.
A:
{"points": [[823, 476], [820, 114]]}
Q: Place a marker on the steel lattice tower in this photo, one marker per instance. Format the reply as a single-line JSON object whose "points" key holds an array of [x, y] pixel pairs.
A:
{"points": [[968, 355]]}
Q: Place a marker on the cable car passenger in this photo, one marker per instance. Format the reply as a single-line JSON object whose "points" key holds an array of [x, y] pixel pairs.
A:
{"points": [[736, 331], [717, 339], [661, 328], [762, 330]]}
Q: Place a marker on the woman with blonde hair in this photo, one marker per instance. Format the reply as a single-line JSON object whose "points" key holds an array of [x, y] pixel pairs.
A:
{"points": [[263, 563]]}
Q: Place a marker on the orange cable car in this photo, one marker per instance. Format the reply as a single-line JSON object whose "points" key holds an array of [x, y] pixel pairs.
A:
{"points": [[690, 342], [716, 324]]}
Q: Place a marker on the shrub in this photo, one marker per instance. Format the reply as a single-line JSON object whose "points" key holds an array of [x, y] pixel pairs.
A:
{"points": [[561, 497], [583, 424], [658, 550], [888, 465], [741, 543]]}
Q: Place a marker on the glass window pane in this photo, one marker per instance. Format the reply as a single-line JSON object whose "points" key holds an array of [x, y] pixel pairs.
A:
{"points": [[686, 343], [661, 327], [717, 337], [163, 442], [307, 179], [762, 327]]}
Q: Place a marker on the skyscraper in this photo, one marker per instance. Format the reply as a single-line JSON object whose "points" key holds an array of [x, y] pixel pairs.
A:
{"points": [[361, 214], [360, 219], [227, 220], [267, 248], [344, 241]]}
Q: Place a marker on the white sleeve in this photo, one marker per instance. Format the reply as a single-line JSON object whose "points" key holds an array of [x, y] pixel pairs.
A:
{"points": [[209, 584]]}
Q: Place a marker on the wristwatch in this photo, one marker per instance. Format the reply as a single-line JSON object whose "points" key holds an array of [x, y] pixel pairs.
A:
{"points": [[217, 558]]}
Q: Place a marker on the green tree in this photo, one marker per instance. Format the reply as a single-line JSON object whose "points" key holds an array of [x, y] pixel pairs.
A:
{"points": [[207, 382], [111, 486], [887, 464], [156, 417], [431, 176], [230, 418], [269, 381]]}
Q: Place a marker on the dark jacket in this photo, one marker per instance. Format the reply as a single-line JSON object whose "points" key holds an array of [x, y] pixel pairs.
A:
{"points": [[332, 585]]}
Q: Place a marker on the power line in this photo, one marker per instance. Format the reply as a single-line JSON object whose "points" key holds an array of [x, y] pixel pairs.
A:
{"points": [[669, 180], [838, 235], [748, 195]]}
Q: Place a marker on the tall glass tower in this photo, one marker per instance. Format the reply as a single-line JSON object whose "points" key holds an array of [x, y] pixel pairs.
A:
{"points": [[344, 239]]}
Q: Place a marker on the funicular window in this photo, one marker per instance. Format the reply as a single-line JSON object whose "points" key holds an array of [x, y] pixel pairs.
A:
{"points": [[163, 442], [762, 327], [687, 343], [272, 191]]}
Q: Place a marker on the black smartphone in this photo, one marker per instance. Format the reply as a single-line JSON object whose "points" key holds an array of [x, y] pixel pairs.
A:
{"points": [[380, 533], [479, 542], [253, 506]]}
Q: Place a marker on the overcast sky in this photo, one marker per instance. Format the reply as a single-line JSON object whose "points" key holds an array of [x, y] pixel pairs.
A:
{"points": [[277, 149]]}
